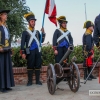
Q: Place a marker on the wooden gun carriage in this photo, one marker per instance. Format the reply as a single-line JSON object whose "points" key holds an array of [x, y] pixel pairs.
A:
{"points": [[63, 70]]}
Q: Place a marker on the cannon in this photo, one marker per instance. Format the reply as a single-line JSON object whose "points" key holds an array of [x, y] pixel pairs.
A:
{"points": [[63, 70]]}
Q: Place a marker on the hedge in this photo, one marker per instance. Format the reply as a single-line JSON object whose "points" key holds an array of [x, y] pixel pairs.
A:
{"points": [[48, 56]]}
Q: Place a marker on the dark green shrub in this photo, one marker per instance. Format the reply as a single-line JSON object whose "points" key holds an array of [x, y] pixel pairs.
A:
{"points": [[17, 59], [96, 54], [48, 56], [78, 54]]}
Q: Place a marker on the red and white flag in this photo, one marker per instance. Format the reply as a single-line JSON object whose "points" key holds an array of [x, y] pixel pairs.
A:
{"points": [[51, 11]]}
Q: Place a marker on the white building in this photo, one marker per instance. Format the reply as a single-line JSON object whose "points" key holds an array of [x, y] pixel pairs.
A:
{"points": [[16, 44]]}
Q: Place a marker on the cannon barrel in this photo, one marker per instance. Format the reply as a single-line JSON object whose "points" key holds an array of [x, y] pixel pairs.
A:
{"points": [[70, 49]]}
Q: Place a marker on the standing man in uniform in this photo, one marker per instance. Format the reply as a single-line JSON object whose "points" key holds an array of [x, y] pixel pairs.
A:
{"points": [[96, 34], [62, 39], [88, 51], [30, 48]]}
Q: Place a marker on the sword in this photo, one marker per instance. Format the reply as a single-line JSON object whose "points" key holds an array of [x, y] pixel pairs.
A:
{"points": [[92, 70]]}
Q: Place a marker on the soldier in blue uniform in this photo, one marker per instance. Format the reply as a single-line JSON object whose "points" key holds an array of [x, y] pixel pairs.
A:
{"points": [[88, 51], [30, 48], [96, 34], [6, 72], [62, 39]]}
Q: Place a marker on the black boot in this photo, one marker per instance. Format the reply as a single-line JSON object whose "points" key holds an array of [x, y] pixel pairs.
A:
{"points": [[37, 75], [85, 73], [30, 76], [8, 89], [3, 90], [91, 76], [90, 79], [89, 70]]}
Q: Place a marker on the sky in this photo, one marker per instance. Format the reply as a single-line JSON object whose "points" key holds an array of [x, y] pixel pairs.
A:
{"points": [[74, 10]]}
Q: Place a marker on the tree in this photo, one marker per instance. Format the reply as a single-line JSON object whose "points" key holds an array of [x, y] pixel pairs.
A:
{"points": [[16, 22]]}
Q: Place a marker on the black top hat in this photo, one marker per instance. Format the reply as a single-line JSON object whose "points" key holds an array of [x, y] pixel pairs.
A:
{"points": [[30, 16], [4, 11]]}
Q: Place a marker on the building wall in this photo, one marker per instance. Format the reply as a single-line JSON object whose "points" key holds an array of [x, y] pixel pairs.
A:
{"points": [[20, 74]]}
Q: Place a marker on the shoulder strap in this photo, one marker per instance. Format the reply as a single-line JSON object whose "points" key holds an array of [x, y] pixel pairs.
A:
{"points": [[64, 34], [33, 37]]}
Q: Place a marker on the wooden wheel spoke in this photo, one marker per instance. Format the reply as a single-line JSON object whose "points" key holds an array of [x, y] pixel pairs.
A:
{"points": [[74, 80], [75, 84], [51, 79]]}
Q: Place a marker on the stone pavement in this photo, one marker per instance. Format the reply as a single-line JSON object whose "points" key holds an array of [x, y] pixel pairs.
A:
{"points": [[34, 92]]}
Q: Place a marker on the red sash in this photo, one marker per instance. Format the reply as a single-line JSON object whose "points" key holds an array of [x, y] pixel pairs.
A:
{"points": [[89, 60]]}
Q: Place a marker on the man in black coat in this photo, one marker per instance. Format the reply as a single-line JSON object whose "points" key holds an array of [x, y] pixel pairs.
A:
{"points": [[30, 48], [96, 34], [88, 49]]}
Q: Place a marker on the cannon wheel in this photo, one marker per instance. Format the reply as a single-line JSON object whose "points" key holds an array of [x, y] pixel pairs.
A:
{"points": [[74, 78], [51, 79]]}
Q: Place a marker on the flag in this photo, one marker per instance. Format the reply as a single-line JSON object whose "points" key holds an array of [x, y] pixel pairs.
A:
{"points": [[50, 9]]}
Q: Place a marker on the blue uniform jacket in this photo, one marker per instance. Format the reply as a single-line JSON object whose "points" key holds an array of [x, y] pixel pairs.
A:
{"points": [[25, 40], [63, 41], [88, 43], [96, 34]]}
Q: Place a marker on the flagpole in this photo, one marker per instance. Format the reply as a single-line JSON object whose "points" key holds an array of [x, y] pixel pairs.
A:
{"points": [[43, 23], [85, 12]]}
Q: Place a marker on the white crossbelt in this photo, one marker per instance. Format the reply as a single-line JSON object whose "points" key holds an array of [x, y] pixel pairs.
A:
{"points": [[64, 34], [33, 37]]}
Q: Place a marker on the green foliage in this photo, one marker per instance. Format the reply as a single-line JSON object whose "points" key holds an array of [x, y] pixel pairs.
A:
{"points": [[48, 56], [16, 23], [78, 54], [17, 59], [96, 54]]}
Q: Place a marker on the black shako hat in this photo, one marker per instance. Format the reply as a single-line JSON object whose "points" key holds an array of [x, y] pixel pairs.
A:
{"points": [[29, 16], [4, 11]]}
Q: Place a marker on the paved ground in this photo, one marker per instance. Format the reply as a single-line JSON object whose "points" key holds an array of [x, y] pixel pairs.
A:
{"points": [[35, 92]]}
